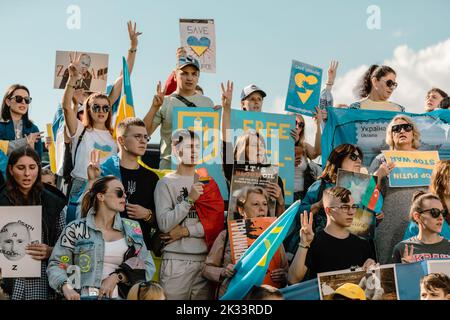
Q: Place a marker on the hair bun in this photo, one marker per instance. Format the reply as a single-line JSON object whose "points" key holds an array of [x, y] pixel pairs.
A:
{"points": [[417, 194]]}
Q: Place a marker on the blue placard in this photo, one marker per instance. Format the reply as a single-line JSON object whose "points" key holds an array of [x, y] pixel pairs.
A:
{"points": [[276, 130], [304, 88], [205, 121]]}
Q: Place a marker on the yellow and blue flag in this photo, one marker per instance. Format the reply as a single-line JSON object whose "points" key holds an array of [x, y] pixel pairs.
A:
{"points": [[252, 267], [126, 106]]}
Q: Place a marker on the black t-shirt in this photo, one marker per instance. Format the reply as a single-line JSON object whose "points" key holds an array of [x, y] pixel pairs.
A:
{"points": [[140, 186], [328, 253]]}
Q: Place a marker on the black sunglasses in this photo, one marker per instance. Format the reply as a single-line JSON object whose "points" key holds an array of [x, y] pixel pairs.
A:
{"points": [[435, 213], [119, 193], [391, 84], [96, 108], [405, 126], [300, 124], [353, 156], [20, 99]]}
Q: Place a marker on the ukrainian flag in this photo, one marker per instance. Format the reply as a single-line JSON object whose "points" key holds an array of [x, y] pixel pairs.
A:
{"points": [[126, 107], [252, 267]]}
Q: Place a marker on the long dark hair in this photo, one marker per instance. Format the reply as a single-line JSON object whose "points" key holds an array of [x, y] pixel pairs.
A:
{"points": [[335, 160], [6, 110], [13, 192], [364, 85], [90, 199]]}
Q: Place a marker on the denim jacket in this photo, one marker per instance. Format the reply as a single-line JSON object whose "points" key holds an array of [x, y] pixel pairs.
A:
{"points": [[82, 244]]}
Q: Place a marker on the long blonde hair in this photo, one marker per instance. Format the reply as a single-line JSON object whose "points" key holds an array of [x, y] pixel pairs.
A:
{"points": [[440, 182]]}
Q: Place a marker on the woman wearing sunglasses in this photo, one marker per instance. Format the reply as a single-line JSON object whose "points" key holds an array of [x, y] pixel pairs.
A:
{"points": [[439, 186], [16, 128], [402, 134], [108, 250], [24, 188], [429, 214], [95, 132], [375, 88]]}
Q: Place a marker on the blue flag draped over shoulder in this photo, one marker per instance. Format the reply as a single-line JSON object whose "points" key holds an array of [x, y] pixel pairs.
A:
{"points": [[367, 129], [252, 267]]}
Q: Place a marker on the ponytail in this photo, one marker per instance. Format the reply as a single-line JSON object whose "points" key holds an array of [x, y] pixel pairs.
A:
{"points": [[90, 198], [364, 85]]}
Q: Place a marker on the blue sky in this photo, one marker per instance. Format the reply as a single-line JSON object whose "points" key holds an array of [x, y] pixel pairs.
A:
{"points": [[256, 40]]}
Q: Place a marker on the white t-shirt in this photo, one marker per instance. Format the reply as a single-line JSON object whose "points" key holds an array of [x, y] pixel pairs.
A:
{"points": [[114, 253], [92, 139]]}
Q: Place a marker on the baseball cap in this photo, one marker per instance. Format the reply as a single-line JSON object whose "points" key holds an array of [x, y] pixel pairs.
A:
{"points": [[351, 291], [188, 61], [248, 90]]}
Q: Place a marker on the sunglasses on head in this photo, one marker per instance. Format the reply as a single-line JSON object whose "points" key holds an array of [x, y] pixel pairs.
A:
{"points": [[435, 213], [353, 156], [398, 127], [20, 99], [300, 124], [96, 108], [391, 84]]}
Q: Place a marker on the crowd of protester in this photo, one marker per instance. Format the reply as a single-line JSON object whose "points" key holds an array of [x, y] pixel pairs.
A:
{"points": [[152, 234]]}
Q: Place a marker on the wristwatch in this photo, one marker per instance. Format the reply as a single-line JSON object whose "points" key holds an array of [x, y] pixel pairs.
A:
{"points": [[69, 286], [189, 200]]}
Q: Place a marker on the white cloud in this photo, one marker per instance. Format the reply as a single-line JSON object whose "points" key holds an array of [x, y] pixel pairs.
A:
{"points": [[417, 72]]}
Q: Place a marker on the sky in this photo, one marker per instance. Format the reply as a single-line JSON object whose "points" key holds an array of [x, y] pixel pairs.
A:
{"points": [[256, 42]]}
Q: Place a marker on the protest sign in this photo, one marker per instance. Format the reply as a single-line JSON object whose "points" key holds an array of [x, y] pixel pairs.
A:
{"points": [[275, 128], [94, 71], [247, 176], [367, 196], [304, 88], [206, 123], [199, 39], [412, 168], [378, 283], [19, 227]]}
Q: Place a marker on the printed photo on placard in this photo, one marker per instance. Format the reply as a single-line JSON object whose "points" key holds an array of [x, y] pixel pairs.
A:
{"points": [[199, 39], [19, 227], [366, 195], [250, 175], [93, 67], [378, 283], [243, 232]]}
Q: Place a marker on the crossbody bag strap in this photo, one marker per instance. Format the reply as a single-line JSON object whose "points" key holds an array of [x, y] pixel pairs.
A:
{"points": [[184, 100]]}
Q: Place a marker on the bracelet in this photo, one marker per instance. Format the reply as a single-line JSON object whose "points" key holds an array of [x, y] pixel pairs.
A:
{"points": [[329, 84], [72, 86], [149, 216], [132, 50], [302, 246]]}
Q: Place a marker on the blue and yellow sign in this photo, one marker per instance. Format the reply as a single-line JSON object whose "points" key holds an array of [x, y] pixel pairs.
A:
{"points": [[205, 122], [412, 168], [276, 130], [304, 88]]}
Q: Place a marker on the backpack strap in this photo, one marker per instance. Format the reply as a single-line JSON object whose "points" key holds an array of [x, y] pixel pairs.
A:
{"points": [[184, 100]]}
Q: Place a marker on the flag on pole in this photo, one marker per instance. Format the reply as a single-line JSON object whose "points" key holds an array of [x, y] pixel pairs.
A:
{"points": [[251, 268], [126, 107]]}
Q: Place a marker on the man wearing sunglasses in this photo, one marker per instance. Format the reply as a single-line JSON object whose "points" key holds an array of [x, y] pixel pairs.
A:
{"points": [[429, 214], [333, 248]]}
